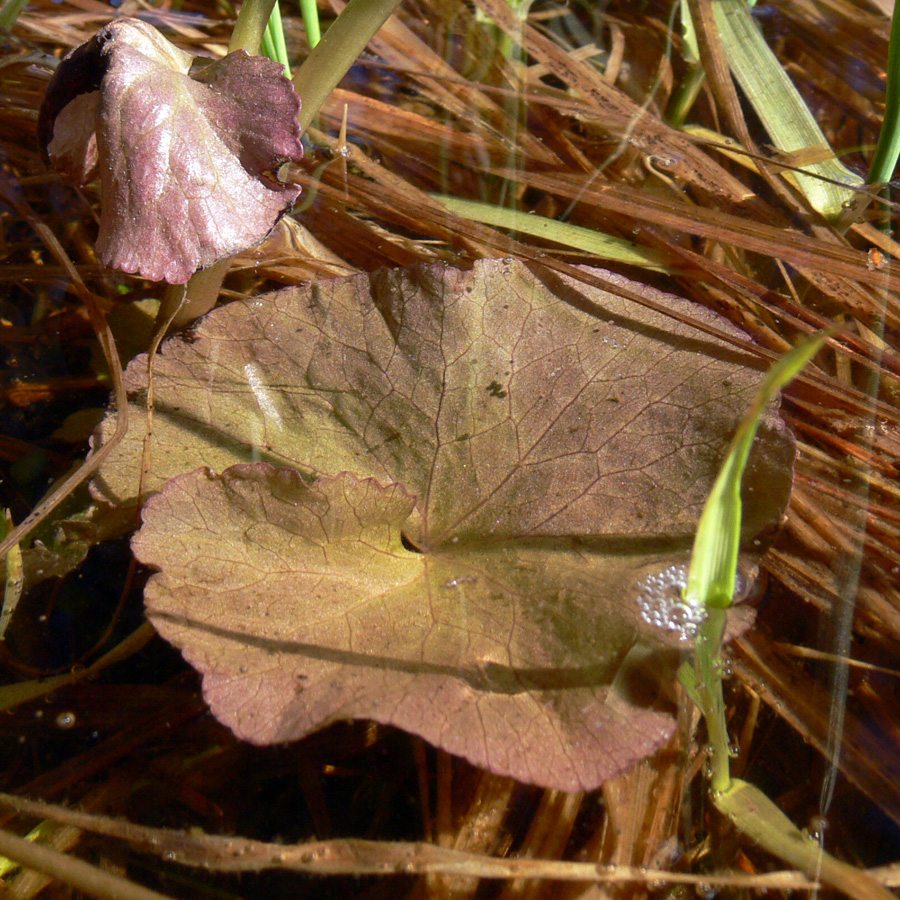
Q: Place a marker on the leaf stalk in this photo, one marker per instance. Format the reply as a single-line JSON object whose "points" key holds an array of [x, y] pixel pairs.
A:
{"points": [[339, 48], [251, 26]]}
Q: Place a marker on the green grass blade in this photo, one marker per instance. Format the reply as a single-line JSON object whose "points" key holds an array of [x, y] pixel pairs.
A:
{"points": [[714, 559], [310, 12], [887, 150], [10, 12], [713, 570], [333, 56], [15, 579], [273, 44], [42, 831], [781, 109], [596, 243], [760, 819]]}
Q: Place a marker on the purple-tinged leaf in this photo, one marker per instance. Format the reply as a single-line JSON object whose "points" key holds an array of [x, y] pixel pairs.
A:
{"points": [[301, 606], [489, 476], [187, 162]]}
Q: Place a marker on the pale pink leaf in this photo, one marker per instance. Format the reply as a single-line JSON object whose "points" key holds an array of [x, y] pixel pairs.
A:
{"points": [[187, 162]]}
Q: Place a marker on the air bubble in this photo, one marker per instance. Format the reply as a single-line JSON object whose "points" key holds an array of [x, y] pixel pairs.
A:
{"points": [[742, 587], [662, 604], [65, 720], [818, 825]]}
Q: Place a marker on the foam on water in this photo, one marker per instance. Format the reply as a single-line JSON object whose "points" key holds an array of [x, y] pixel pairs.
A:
{"points": [[663, 606], [661, 600]]}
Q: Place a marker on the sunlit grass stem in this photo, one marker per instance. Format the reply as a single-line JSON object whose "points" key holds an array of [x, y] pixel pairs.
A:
{"points": [[310, 13], [714, 559], [573, 237], [339, 48], [273, 43], [250, 26], [711, 580]]}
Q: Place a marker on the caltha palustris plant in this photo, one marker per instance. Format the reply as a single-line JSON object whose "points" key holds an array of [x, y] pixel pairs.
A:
{"points": [[187, 150]]}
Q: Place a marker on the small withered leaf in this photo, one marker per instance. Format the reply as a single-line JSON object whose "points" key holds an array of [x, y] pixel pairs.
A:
{"points": [[80, 72], [183, 159]]}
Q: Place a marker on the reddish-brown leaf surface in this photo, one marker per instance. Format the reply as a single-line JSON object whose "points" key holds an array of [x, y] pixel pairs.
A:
{"points": [[485, 477], [187, 162]]}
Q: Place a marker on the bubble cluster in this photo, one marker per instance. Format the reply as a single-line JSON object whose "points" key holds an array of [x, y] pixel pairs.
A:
{"points": [[661, 601], [662, 604]]}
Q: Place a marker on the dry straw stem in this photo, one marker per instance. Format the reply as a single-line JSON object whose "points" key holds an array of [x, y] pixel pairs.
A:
{"points": [[362, 857], [73, 872], [107, 342]]}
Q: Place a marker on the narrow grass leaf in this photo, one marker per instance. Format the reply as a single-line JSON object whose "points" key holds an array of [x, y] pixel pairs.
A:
{"points": [[273, 44], [9, 13], [603, 246], [713, 569], [888, 148], [310, 12], [711, 579], [781, 109], [760, 819]]}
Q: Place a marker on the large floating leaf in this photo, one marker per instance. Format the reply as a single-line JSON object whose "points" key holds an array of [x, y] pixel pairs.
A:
{"points": [[187, 161], [495, 481]]}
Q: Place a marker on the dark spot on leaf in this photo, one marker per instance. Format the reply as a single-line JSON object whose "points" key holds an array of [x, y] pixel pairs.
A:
{"points": [[189, 335], [495, 389], [408, 544]]}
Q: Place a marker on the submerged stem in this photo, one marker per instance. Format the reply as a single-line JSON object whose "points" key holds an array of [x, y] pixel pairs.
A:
{"points": [[709, 677]]}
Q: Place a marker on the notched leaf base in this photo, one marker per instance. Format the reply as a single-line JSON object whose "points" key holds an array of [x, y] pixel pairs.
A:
{"points": [[302, 607]]}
